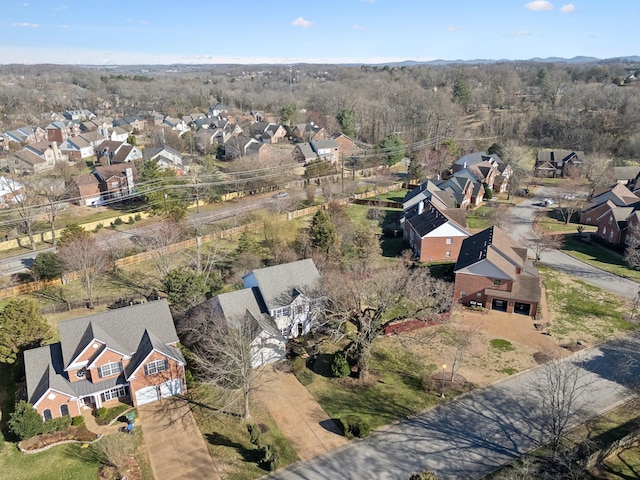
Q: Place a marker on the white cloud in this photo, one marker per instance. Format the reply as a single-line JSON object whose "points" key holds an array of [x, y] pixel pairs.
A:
{"points": [[568, 8], [520, 33], [539, 5], [301, 22], [143, 22], [25, 24], [453, 28], [358, 27], [25, 4]]}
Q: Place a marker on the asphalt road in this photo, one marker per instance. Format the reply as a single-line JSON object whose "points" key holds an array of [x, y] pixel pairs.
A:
{"points": [[522, 216], [476, 434]]}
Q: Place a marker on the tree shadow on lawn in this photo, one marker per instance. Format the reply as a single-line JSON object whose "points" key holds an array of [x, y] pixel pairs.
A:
{"points": [[251, 455]]}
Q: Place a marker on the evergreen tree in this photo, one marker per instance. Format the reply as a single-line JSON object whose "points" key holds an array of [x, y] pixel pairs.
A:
{"points": [[392, 149], [25, 422], [323, 232], [21, 327], [461, 93], [346, 119], [46, 266]]}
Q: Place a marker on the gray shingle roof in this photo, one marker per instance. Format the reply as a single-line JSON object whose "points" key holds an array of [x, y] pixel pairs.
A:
{"points": [[126, 326], [280, 284]]}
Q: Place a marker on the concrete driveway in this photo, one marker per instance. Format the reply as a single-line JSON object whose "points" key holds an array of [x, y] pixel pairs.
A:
{"points": [[175, 446], [298, 415], [476, 434]]}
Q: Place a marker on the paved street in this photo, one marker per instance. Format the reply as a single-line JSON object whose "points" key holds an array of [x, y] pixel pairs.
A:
{"points": [[472, 436], [523, 215]]}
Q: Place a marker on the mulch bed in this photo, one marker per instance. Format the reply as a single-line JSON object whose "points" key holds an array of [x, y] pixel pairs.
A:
{"points": [[80, 434], [456, 383], [130, 471]]}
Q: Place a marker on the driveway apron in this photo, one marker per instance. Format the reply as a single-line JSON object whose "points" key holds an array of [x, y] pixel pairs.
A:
{"points": [[174, 443]]}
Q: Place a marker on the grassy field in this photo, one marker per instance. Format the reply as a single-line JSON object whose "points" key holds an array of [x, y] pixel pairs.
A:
{"points": [[479, 218], [393, 391], [581, 311], [69, 461], [600, 257], [228, 441]]}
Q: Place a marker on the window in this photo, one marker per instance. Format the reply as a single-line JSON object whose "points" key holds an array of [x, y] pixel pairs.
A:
{"points": [[64, 410], [110, 368], [81, 373], [299, 309], [604, 232], [117, 392], [463, 294], [156, 366], [611, 236], [447, 253], [47, 415], [610, 220], [497, 282], [448, 241]]}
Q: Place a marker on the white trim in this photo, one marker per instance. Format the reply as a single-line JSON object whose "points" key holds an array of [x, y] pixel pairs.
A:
{"points": [[71, 397], [74, 361], [144, 361], [95, 360]]}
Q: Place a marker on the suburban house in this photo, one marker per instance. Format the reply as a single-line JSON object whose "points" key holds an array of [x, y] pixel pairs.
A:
{"points": [[116, 182], [346, 146], [616, 195], [176, 125], [325, 148], [242, 146], [557, 163], [435, 235], [493, 272], [303, 153], [37, 157], [30, 134], [59, 131], [466, 191], [218, 110], [625, 175], [167, 158], [85, 190], [268, 132], [126, 355], [475, 158], [10, 191], [77, 148], [427, 190], [81, 115], [279, 302], [614, 223], [306, 132], [110, 152]]}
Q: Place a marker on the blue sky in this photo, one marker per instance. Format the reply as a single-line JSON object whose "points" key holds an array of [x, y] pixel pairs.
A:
{"points": [[331, 31]]}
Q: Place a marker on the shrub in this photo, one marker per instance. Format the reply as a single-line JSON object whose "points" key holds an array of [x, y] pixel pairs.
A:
{"points": [[77, 421], [131, 221], [269, 458], [118, 221], [137, 217], [188, 378], [424, 475], [101, 412], [254, 433], [302, 373], [488, 194], [57, 424], [355, 426], [25, 422], [98, 227], [429, 383], [339, 365]]}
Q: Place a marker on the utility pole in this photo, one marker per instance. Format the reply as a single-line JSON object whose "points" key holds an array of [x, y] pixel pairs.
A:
{"points": [[342, 170]]}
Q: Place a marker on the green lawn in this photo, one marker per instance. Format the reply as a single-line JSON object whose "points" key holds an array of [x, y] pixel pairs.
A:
{"points": [[582, 311], [395, 391], [479, 218], [599, 257], [69, 462], [228, 440]]}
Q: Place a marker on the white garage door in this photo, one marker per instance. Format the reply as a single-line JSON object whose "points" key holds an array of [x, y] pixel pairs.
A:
{"points": [[170, 388], [146, 395]]}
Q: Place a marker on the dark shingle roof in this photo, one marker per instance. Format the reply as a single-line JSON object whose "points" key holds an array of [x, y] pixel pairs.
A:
{"points": [[427, 221]]}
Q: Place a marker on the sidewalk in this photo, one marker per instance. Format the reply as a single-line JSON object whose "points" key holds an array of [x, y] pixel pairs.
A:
{"points": [[298, 415], [92, 426]]}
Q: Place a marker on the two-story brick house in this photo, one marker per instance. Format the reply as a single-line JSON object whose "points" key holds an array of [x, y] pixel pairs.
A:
{"points": [[127, 355], [493, 271]]}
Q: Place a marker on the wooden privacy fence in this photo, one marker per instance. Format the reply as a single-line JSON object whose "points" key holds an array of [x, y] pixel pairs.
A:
{"points": [[29, 287]]}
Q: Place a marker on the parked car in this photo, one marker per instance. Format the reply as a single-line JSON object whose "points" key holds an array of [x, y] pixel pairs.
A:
{"points": [[280, 195], [547, 202]]}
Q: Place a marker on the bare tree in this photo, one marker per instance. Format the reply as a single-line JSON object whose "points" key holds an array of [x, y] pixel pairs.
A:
{"points": [[155, 238], [632, 251], [366, 298], [222, 355], [27, 206], [115, 450], [563, 390], [541, 241], [82, 254], [461, 338], [570, 198]]}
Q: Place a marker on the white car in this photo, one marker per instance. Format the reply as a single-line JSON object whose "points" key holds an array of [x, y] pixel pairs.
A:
{"points": [[280, 195], [547, 202]]}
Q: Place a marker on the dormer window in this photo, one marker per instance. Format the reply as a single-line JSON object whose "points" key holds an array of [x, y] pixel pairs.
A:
{"points": [[81, 372]]}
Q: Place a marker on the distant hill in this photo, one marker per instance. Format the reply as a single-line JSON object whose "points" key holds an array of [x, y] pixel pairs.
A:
{"points": [[483, 61]]}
